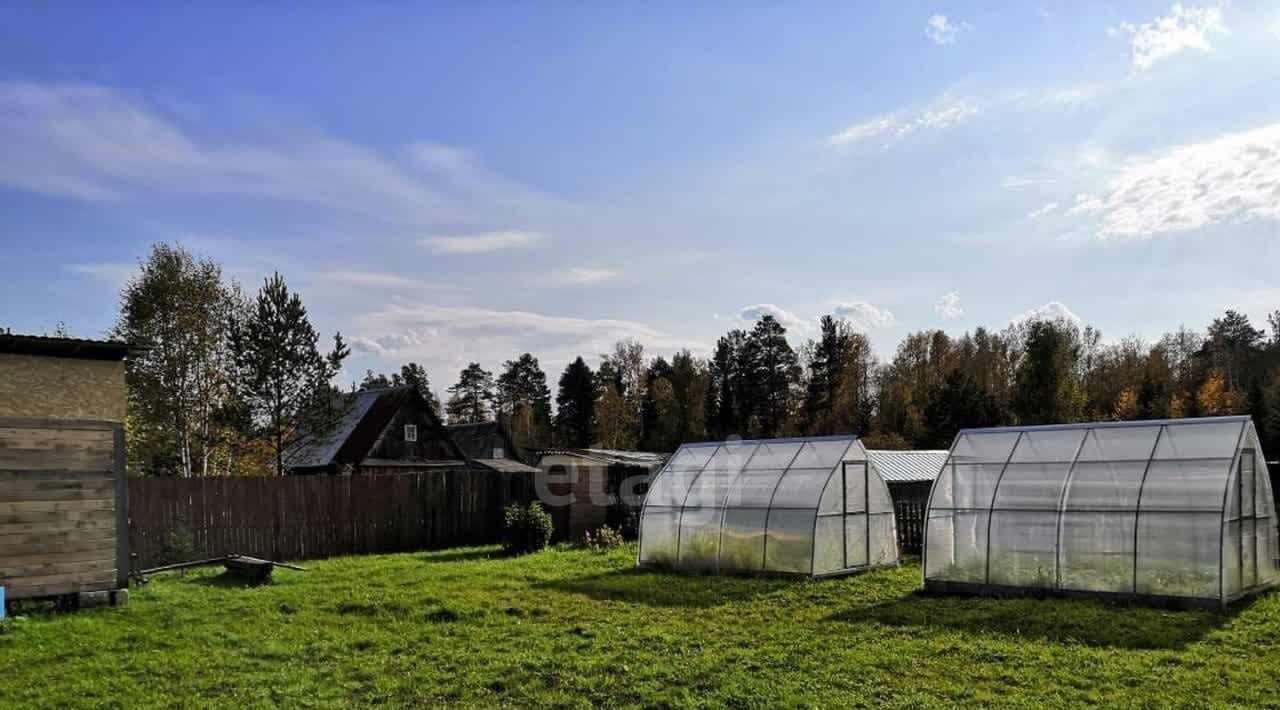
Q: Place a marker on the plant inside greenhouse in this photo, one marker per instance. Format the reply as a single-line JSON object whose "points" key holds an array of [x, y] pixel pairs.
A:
{"points": [[811, 506], [1179, 510]]}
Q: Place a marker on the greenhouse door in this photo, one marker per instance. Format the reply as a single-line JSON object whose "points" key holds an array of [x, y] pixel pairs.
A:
{"points": [[1248, 523]]}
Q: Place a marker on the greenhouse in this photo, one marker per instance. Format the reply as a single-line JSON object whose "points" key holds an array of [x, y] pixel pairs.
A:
{"points": [[786, 506], [1178, 510]]}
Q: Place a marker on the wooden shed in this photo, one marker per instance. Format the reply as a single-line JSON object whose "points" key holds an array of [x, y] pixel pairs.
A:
{"points": [[63, 507]]}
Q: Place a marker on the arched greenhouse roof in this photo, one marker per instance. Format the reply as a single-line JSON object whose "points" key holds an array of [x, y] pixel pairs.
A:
{"points": [[811, 506], [1179, 509]]}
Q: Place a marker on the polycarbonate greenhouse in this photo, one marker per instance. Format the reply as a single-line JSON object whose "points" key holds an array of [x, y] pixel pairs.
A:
{"points": [[789, 506], [1179, 510]]}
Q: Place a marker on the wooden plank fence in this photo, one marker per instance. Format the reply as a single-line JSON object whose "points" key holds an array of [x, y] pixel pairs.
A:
{"points": [[298, 517], [910, 516]]}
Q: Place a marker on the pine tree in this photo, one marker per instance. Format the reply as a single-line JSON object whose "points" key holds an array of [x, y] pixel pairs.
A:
{"points": [[524, 401], [284, 380], [575, 405], [415, 375], [772, 369], [1046, 390], [470, 399]]}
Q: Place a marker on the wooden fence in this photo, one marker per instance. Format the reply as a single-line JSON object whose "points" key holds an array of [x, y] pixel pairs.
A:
{"points": [[299, 517], [910, 515]]}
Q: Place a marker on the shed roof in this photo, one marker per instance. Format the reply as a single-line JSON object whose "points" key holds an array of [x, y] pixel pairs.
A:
{"points": [[477, 439], [78, 348], [506, 466], [643, 459], [915, 466]]}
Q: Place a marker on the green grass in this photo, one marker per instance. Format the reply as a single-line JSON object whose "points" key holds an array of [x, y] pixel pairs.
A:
{"points": [[562, 628]]}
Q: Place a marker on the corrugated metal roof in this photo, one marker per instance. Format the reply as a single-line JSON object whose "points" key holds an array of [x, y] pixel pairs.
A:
{"points": [[643, 459], [506, 466], [908, 466]]}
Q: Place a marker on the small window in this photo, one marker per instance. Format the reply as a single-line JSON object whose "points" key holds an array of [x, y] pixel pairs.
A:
{"points": [[410, 432], [498, 453]]}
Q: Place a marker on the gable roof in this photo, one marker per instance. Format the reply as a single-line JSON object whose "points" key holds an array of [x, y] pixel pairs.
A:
{"points": [[367, 414], [921, 465]]}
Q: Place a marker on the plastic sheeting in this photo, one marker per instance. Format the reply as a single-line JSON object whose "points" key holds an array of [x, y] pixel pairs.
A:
{"points": [[1178, 508], [796, 506]]}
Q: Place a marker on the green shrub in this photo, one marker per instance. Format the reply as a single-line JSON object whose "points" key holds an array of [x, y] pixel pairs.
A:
{"points": [[179, 545], [605, 538], [524, 529]]}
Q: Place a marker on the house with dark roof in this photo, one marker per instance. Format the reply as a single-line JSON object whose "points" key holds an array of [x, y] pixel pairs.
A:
{"points": [[389, 430]]}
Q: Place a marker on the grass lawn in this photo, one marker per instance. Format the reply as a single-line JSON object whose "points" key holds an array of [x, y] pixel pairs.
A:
{"points": [[564, 628]]}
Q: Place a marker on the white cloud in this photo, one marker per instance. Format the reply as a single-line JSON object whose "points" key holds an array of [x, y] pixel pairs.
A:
{"points": [[863, 315], [115, 274], [1036, 214], [373, 279], [940, 114], [585, 275], [942, 30], [1183, 28], [949, 306], [446, 338], [481, 243], [1236, 176], [789, 320], [1052, 311]]}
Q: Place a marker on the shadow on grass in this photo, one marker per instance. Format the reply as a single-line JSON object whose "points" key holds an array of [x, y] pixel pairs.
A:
{"points": [[667, 589], [228, 581], [464, 555], [1067, 621]]}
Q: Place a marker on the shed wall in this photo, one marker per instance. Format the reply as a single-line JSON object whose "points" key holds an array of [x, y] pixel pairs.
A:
{"points": [[61, 388], [61, 507]]}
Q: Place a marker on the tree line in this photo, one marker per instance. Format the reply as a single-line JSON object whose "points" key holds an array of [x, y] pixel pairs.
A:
{"points": [[225, 380]]}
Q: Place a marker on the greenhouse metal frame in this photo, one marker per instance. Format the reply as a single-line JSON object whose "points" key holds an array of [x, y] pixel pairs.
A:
{"points": [[800, 506], [1176, 511]]}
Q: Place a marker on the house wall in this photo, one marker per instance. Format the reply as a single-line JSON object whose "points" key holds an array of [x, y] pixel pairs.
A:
{"points": [[392, 445], [61, 388]]}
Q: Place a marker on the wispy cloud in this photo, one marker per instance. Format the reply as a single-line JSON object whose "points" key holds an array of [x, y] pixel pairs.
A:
{"points": [[1183, 28], [942, 30], [481, 243], [891, 127], [1014, 181], [1236, 176], [863, 315], [585, 275], [1036, 214], [949, 306], [115, 274], [92, 142], [377, 280]]}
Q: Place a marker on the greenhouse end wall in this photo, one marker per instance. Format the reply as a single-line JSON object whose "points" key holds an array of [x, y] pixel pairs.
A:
{"points": [[811, 506], [1178, 510]]}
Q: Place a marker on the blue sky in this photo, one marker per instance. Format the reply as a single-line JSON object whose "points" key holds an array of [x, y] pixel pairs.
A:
{"points": [[472, 182]]}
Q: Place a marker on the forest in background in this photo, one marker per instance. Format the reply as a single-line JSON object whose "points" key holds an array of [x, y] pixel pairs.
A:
{"points": [[224, 381]]}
